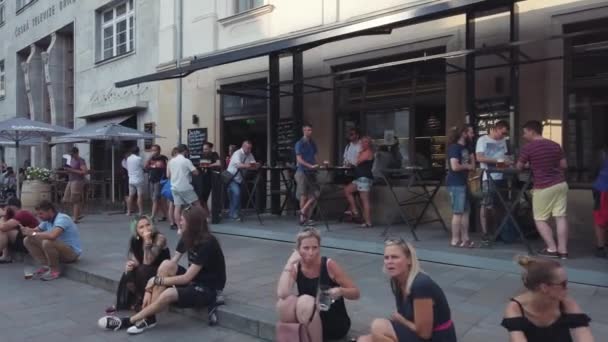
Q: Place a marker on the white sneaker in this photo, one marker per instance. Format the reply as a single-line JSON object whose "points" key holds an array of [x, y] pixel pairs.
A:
{"points": [[110, 323], [142, 326]]}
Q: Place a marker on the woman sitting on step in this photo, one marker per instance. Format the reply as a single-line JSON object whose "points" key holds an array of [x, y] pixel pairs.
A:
{"points": [[195, 287], [307, 269], [423, 313], [147, 250]]}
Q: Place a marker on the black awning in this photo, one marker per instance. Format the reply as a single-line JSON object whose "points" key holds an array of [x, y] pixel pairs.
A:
{"points": [[312, 38]]}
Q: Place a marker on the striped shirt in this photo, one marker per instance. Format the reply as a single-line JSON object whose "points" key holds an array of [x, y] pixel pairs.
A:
{"points": [[544, 157]]}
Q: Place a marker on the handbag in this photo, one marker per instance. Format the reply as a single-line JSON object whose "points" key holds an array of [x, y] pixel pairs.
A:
{"points": [[165, 190], [226, 176], [124, 298]]}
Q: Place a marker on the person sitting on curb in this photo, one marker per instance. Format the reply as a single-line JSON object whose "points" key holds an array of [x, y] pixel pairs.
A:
{"points": [[545, 312], [56, 240], [195, 287], [307, 269], [147, 250], [423, 312], [10, 233]]}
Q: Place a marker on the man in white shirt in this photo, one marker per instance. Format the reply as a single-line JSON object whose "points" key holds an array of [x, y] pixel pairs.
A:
{"points": [[241, 160], [489, 150], [135, 169], [180, 170], [351, 152]]}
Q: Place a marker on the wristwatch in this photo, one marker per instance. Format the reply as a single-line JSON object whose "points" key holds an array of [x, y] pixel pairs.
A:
{"points": [[34, 233]]}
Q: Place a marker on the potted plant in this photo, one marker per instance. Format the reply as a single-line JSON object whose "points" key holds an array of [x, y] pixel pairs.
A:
{"points": [[36, 186]]}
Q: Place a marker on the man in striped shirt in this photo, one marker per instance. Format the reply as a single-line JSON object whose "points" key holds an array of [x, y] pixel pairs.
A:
{"points": [[548, 163]]}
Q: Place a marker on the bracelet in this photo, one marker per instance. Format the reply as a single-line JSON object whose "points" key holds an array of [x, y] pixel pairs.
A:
{"points": [[158, 280]]}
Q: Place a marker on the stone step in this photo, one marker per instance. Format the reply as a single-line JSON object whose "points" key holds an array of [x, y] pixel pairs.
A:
{"points": [[238, 316]]}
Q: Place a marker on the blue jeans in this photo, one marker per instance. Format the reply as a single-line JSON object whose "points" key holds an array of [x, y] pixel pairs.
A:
{"points": [[460, 202], [234, 195]]}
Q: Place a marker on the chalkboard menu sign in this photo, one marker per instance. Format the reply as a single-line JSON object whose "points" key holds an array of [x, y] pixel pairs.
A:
{"points": [[285, 140], [196, 138], [149, 127]]}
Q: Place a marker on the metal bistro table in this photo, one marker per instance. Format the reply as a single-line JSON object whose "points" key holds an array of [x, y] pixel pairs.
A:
{"points": [[512, 202], [313, 178], [425, 196], [286, 174]]}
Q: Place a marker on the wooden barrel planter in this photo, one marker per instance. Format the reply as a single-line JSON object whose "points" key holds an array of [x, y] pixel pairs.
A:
{"points": [[34, 191]]}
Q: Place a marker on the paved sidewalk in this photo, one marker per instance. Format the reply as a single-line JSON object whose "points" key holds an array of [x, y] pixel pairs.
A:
{"points": [[477, 296], [64, 310]]}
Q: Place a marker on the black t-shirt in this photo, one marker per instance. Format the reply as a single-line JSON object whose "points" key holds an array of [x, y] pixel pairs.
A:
{"points": [[208, 254], [212, 158], [158, 168], [424, 287]]}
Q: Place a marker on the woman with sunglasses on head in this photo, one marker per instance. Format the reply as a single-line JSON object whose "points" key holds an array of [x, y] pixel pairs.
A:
{"points": [[362, 183], [147, 250], [423, 313], [310, 271], [195, 287], [545, 312]]}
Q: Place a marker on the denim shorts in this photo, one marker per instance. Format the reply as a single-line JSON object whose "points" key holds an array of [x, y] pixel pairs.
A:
{"points": [[458, 196]]}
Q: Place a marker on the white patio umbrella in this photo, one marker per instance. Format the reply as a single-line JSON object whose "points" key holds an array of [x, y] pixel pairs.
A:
{"points": [[107, 131], [20, 130]]}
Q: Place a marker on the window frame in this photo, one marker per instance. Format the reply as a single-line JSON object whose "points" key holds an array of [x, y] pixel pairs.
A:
{"points": [[20, 5], [2, 12], [2, 79], [129, 18], [250, 6]]}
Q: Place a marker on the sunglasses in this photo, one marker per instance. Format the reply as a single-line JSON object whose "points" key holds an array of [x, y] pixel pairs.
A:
{"points": [[563, 284], [390, 241], [187, 208]]}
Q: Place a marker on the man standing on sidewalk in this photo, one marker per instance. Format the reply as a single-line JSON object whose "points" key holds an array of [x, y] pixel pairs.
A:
{"points": [[548, 163], [135, 168], [307, 190], [180, 171], [74, 191], [55, 241], [490, 149], [157, 167], [240, 161]]}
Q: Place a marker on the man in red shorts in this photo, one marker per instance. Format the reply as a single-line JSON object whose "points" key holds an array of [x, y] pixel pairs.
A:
{"points": [[10, 234], [600, 205]]}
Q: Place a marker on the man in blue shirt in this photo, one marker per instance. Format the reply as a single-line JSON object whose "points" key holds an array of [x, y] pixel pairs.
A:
{"points": [[307, 189], [55, 240]]}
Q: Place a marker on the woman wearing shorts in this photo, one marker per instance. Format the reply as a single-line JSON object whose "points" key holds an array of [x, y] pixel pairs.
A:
{"points": [[362, 183], [195, 287]]}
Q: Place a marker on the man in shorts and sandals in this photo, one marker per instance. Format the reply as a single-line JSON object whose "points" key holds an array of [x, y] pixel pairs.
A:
{"points": [[74, 191], [550, 191], [180, 170], [135, 169], [600, 205], [11, 237], [491, 149], [307, 190]]}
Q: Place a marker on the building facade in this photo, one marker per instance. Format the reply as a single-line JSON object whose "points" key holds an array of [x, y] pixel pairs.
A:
{"points": [[59, 60]]}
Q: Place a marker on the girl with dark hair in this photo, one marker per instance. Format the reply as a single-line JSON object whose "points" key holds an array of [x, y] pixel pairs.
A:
{"points": [[147, 250], [545, 312], [423, 312], [195, 287]]}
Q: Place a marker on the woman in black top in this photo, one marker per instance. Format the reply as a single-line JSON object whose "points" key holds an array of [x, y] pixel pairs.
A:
{"points": [[362, 183], [147, 250], [423, 313], [195, 287], [307, 269], [545, 312]]}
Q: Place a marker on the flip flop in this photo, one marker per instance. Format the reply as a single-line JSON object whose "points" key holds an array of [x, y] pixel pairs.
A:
{"points": [[467, 244], [455, 245]]}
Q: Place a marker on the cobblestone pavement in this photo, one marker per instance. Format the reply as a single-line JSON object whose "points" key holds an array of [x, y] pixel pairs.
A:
{"points": [[63, 310]]}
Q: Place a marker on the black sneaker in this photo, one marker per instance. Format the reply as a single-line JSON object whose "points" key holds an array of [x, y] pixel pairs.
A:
{"points": [[546, 253], [142, 326], [113, 323], [212, 315]]}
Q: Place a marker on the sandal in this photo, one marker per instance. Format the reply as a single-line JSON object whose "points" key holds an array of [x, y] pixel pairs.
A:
{"points": [[455, 245], [366, 225], [467, 244], [351, 213]]}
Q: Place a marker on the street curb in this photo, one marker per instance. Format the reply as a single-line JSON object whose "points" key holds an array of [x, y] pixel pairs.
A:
{"points": [[240, 317]]}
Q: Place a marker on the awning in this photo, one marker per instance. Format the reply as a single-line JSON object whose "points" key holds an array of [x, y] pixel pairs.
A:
{"points": [[108, 119], [382, 24]]}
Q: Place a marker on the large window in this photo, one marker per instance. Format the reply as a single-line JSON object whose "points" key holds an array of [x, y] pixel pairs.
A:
{"points": [[117, 30], [246, 5], [2, 80], [23, 3], [2, 12]]}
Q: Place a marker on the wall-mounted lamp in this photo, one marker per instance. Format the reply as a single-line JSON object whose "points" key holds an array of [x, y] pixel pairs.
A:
{"points": [[195, 119]]}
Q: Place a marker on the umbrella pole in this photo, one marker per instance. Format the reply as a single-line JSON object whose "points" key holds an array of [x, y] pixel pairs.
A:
{"points": [[113, 175], [18, 194]]}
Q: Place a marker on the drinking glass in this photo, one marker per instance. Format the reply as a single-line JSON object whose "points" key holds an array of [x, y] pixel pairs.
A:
{"points": [[325, 300]]}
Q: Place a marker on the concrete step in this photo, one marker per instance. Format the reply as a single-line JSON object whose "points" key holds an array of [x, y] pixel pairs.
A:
{"points": [[238, 316]]}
